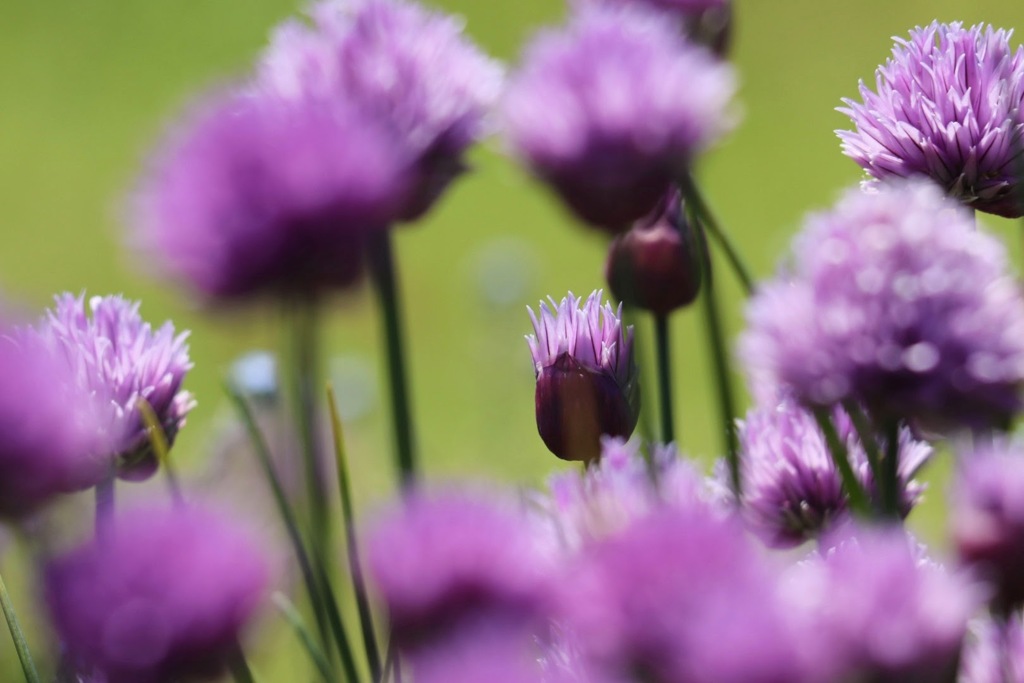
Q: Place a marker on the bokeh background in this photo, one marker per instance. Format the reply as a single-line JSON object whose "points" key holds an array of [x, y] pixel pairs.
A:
{"points": [[88, 86]]}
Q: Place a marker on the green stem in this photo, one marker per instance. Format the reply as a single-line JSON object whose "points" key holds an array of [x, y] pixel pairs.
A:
{"points": [[694, 198], [304, 372], [891, 471], [720, 362], [162, 448], [869, 440], [105, 505], [316, 655], [284, 509], [355, 568], [630, 319], [382, 269], [859, 502], [28, 667], [661, 338], [239, 667]]}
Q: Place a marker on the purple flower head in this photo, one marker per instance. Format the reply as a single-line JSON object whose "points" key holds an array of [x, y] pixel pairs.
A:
{"points": [[621, 489], [707, 22], [117, 356], [895, 301], [257, 194], [407, 66], [685, 596], [609, 110], [994, 652], [947, 106], [495, 655], [49, 443], [587, 383], [655, 266], [886, 613], [792, 490], [987, 518], [164, 598], [449, 563]]}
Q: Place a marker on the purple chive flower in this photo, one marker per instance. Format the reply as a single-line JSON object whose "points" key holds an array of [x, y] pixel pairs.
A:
{"points": [[256, 194], [707, 22], [885, 613], [621, 489], [49, 443], [449, 563], [792, 490], [587, 382], [163, 598], [896, 301], [655, 266], [409, 67], [685, 596], [947, 106], [994, 652], [116, 355], [611, 109], [987, 518]]}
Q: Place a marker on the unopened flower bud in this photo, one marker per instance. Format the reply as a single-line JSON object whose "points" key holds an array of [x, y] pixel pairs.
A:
{"points": [[656, 265]]}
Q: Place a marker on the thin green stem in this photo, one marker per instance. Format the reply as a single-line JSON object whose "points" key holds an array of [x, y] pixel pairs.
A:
{"points": [[382, 269], [239, 667], [355, 568], [162, 448], [105, 505], [630, 319], [661, 340], [284, 509], [304, 372], [720, 362], [890, 485], [316, 655], [28, 667], [337, 625], [694, 198], [859, 502]]}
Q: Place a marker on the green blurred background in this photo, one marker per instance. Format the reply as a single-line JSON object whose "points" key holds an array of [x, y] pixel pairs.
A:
{"points": [[88, 86]]}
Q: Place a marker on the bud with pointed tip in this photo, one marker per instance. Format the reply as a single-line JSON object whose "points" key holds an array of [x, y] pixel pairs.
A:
{"points": [[656, 265], [586, 376]]}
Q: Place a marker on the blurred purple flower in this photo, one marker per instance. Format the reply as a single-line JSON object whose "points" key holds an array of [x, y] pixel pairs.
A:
{"points": [[987, 518], [994, 652], [895, 301], [611, 109], [119, 358], [164, 598], [587, 384], [792, 491], [50, 442], [618, 491], [685, 596], [707, 22], [885, 612], [408, 67], [448, 563], [257, 194], [948, 106]]}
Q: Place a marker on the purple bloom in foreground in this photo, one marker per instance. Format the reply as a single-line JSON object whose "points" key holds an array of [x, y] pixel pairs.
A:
{"points": [[611, 109], [587, 382], [685, 596], [994, 652], [163, 599], [447, 564], [409, 67], [948, 106], [255, 194], [898, 302], [118, 356], [987, 518], [792, 490], [655, 266], [50, 442], [886, 614]]}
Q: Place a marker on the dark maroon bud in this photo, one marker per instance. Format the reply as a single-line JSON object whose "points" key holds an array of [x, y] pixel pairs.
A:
{"points": [[576, 406], [656, 265]]}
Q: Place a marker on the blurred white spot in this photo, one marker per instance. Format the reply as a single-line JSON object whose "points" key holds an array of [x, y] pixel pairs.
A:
{"points": [[255, 373], [921, 357]]}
